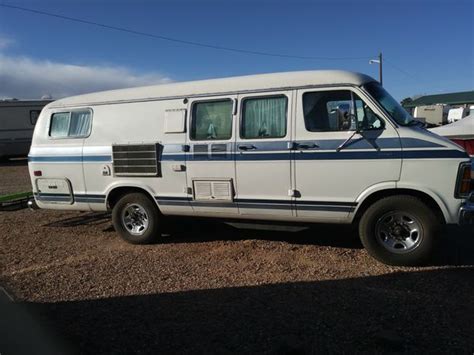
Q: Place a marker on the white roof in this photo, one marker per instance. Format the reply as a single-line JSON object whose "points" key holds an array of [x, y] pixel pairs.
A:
{"points": [[219, 86], [462, 129]]}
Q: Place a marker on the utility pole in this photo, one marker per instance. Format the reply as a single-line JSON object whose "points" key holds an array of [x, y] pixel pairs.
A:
{"points": [[379, 62]]}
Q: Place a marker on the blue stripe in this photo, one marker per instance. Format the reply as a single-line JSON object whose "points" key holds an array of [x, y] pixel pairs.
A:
{"points": [[342, 155], [66, 197], [299, 155], [281, 150], [421, 154], [335, 206], [172, 198], [71, 158]]}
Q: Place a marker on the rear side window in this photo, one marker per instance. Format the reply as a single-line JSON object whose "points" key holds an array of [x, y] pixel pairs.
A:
{"points": [[74, 124], [212, 120], [264, 117]]}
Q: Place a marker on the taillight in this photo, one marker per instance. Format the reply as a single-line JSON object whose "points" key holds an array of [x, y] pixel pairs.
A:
{"points": [[466, 144], [463, 183]]}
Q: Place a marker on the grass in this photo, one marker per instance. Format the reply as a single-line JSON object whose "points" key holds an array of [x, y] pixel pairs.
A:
{"points": [[15, 196]]}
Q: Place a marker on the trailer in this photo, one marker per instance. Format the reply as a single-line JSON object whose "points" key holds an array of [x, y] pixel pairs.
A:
{"points": [[17, 122], [432, 115]]}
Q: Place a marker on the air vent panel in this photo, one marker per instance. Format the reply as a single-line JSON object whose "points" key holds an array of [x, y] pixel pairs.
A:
{"points": [[136, 159], [213, 190]]}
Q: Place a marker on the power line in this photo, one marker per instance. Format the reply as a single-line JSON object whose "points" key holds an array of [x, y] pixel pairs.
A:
{"points": [[401, 70], [176, 40]]}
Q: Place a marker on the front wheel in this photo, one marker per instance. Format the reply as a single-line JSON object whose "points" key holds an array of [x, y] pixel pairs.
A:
{"points": [[136, 219], [399, 230]]}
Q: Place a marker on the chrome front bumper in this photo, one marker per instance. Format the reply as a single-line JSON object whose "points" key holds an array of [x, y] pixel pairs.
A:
{"points": [[466, 212]]}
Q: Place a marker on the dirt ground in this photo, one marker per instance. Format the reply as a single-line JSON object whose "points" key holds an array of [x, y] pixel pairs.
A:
{"points": [[14, 176], [212, 288]]}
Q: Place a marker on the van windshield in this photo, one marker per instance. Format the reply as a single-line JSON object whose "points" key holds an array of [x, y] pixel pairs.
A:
{"points": [[393, 108]]}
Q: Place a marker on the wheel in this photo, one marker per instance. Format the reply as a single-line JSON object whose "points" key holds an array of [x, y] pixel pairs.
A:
{"points": [[136, 219], [399, 230]]}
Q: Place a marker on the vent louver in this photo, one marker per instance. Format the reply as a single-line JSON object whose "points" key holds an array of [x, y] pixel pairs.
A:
{"points": [[136, 159], [213, 190]]}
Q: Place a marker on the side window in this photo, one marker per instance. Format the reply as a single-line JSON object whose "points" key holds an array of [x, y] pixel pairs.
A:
{"points": [[34, 114], [338, 110], [73, 124], [328, 111], [212, 120], [365, 116], [264, 117], [60, 124]]}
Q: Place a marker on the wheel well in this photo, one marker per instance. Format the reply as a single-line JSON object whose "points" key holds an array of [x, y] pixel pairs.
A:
{"points": [[116, 194], [428, 200]]}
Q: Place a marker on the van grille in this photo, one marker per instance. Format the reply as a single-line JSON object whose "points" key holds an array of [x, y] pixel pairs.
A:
{"points": [[136, 159]]}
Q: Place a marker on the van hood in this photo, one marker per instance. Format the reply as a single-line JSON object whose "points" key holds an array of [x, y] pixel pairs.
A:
{"points": [[420, 137]]}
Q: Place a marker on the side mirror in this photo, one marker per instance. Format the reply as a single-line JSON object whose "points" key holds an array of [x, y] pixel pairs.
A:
{"points": [[365, 126]]}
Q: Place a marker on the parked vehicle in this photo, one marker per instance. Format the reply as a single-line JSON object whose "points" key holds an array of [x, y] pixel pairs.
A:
{"points": [[457, 113], [17, 121], [460, 132], [432, 115], [316, 146]]}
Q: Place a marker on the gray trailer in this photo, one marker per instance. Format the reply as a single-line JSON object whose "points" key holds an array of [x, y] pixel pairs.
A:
{"points": [[17, 122]]}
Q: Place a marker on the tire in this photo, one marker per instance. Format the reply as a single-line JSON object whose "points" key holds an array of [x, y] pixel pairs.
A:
{"points": [[399, 230], [137, 219]]}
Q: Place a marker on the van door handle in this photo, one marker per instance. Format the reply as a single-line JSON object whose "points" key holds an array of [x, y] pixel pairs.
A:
{"points": [[306, 146], [247, 147]]}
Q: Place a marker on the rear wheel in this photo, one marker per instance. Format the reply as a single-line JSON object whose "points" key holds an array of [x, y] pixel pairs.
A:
{"points": [[399, 230], [136, 219]]}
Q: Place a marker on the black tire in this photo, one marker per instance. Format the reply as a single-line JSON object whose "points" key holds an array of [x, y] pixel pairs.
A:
{"points": [[373, 227], [141, 203]]}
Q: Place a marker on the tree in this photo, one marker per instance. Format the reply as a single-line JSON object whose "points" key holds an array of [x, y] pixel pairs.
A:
{"points": [[406, 101]]}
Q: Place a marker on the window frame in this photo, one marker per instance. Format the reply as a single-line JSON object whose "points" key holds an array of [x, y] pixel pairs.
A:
{"points": [[354, 96], [90, 110], [233, 102], [241, 114]]}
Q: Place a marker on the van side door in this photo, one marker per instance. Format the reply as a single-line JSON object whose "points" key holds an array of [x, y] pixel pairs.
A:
{"points": [[263, 155], [333, 163], [210, 167]]}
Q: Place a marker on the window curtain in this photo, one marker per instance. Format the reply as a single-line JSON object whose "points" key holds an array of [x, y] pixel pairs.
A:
{"points": [[60, 124], [213, 120], [80, 121], [265, 118]]}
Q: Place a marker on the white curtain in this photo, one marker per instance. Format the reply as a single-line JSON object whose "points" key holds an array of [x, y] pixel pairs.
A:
{"points": [[264, 118], [60, 124], [213, 120], [80, 121]]}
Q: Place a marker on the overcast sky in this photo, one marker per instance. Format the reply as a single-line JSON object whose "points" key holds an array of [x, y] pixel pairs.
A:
{"points": [[427, 45], [24, 77]]}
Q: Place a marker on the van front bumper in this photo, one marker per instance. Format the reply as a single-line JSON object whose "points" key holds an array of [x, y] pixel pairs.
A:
{"points": [[466, 211]]}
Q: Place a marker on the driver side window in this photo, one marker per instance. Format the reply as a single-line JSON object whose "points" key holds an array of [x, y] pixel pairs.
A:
{"points": [[337, 110]]}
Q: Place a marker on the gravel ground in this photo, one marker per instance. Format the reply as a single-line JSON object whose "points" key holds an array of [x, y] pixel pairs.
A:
{"points": [[209, 287], [14, 176]]}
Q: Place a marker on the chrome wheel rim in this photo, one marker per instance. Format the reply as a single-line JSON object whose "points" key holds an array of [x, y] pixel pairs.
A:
{"points": [[399, 232], [135, 219]]}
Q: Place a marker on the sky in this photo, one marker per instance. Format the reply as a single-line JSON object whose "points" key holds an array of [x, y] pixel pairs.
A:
{"points": [[428, 45]]}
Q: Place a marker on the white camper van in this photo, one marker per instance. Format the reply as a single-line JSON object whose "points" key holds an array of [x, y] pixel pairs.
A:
{"points": [[315, 146]]}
